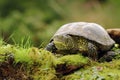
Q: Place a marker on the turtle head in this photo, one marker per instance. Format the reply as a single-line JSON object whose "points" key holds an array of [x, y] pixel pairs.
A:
{"points": [[51, 47]]}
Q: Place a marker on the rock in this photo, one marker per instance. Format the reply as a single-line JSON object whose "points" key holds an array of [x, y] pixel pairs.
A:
{"points": [[114, 34], [108, 56]]}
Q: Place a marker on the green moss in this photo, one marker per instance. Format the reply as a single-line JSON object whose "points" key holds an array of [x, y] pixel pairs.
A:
{"points": [[22, 55], [5, 50], [101, 71], [75, 59], [46, 69], [40, 64]]}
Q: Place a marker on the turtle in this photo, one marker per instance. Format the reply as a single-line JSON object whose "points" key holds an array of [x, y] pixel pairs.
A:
{"points": [[87, 38]]}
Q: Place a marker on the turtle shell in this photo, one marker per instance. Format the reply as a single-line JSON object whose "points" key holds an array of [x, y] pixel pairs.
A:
{"points": [[90, 31]]}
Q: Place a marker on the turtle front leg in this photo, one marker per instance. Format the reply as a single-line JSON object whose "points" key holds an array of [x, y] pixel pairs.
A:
{"points": [[92, 51], [51, 47]]}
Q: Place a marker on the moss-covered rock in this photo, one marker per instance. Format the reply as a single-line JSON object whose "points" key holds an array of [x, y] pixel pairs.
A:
{"points": [[38, 64], [101, 71], [68, 63]]}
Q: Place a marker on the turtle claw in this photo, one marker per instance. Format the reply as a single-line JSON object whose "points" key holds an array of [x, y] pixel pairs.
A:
{"points": [[92, 51]]}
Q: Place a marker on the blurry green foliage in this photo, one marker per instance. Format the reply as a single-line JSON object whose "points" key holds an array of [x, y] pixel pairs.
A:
{"points": [[39, 19]]}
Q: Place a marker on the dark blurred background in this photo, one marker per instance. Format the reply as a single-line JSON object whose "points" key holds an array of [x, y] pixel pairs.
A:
{"points": [[37, 20]]}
